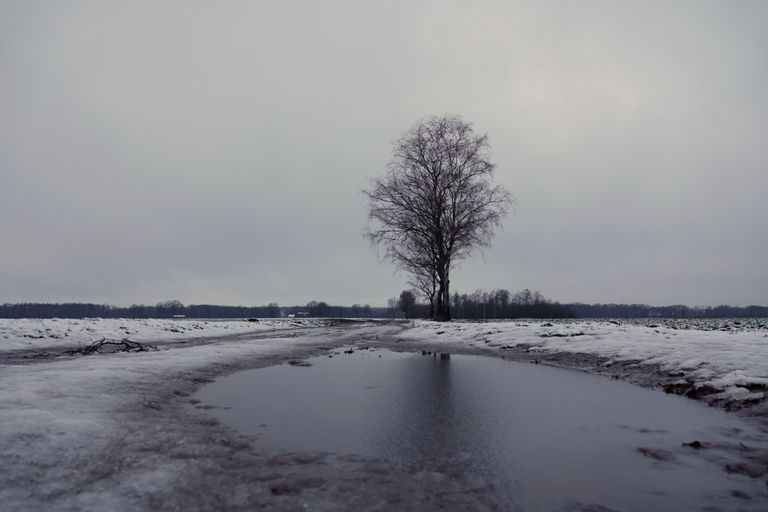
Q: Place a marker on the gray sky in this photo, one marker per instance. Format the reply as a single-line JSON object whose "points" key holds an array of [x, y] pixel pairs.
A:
{"points": [[214, 151]]}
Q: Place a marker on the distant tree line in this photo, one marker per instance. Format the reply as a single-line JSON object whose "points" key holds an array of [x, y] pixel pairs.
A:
{"points": [[172, 308], [503, 304], [321, 309], [497, 304], [673, 311], [494, 304], [481, 304]]}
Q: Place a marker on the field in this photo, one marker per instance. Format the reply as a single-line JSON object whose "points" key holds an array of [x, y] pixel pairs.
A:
{"points": [[120, 431]]}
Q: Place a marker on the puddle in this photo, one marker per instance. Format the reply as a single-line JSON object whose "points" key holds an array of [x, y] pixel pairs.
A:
{"points": [[545, 438]]}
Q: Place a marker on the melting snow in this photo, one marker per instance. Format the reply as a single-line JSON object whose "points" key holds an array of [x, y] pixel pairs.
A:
{"points": [[43, 334], [732, 357]]}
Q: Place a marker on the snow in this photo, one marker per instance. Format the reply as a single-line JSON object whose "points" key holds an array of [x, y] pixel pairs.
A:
{"points": [[110, 432], [730, 357], [102, 432], [42, 334]]}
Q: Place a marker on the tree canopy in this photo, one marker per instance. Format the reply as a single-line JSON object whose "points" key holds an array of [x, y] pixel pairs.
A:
{"points": [[436, 204]]}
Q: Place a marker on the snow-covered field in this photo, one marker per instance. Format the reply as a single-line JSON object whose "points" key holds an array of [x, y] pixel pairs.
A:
{"points": [[729, 356], [728, 359], [44, 334], [118, 431], [115, 431]]}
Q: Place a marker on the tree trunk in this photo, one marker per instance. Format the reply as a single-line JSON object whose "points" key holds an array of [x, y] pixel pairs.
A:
{"points": [[443, 312], [437, 315], [447, 295]]}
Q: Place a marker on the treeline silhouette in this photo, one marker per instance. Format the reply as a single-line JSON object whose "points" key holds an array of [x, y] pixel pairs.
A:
{"points": [[531, 304], [172, 308], [495, 304], [503, 304], [674, 311]]}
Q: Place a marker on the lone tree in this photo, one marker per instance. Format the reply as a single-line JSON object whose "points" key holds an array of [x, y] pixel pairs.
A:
{"points": [[436, 204]]}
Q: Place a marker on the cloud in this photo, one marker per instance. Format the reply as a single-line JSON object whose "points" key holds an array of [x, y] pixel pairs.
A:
{"points": [[216, 153]]}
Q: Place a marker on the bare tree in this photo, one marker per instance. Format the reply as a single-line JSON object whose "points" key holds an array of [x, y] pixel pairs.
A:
{"points": [[524, 297], [436, 203]]}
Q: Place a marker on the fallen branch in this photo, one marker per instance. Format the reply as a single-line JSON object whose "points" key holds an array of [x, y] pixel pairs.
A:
{"points": [[111, 346]]}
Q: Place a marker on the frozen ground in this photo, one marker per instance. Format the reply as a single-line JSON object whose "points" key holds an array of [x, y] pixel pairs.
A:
{"points": [[119, 431], [55, 333]]}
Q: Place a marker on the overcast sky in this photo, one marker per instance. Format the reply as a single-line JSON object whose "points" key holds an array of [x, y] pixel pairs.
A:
{"points": [[215, 151]]}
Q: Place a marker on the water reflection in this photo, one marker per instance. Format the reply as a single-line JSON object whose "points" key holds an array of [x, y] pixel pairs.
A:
{"points": [[546, 437], [432, 424], [420, 422]]}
